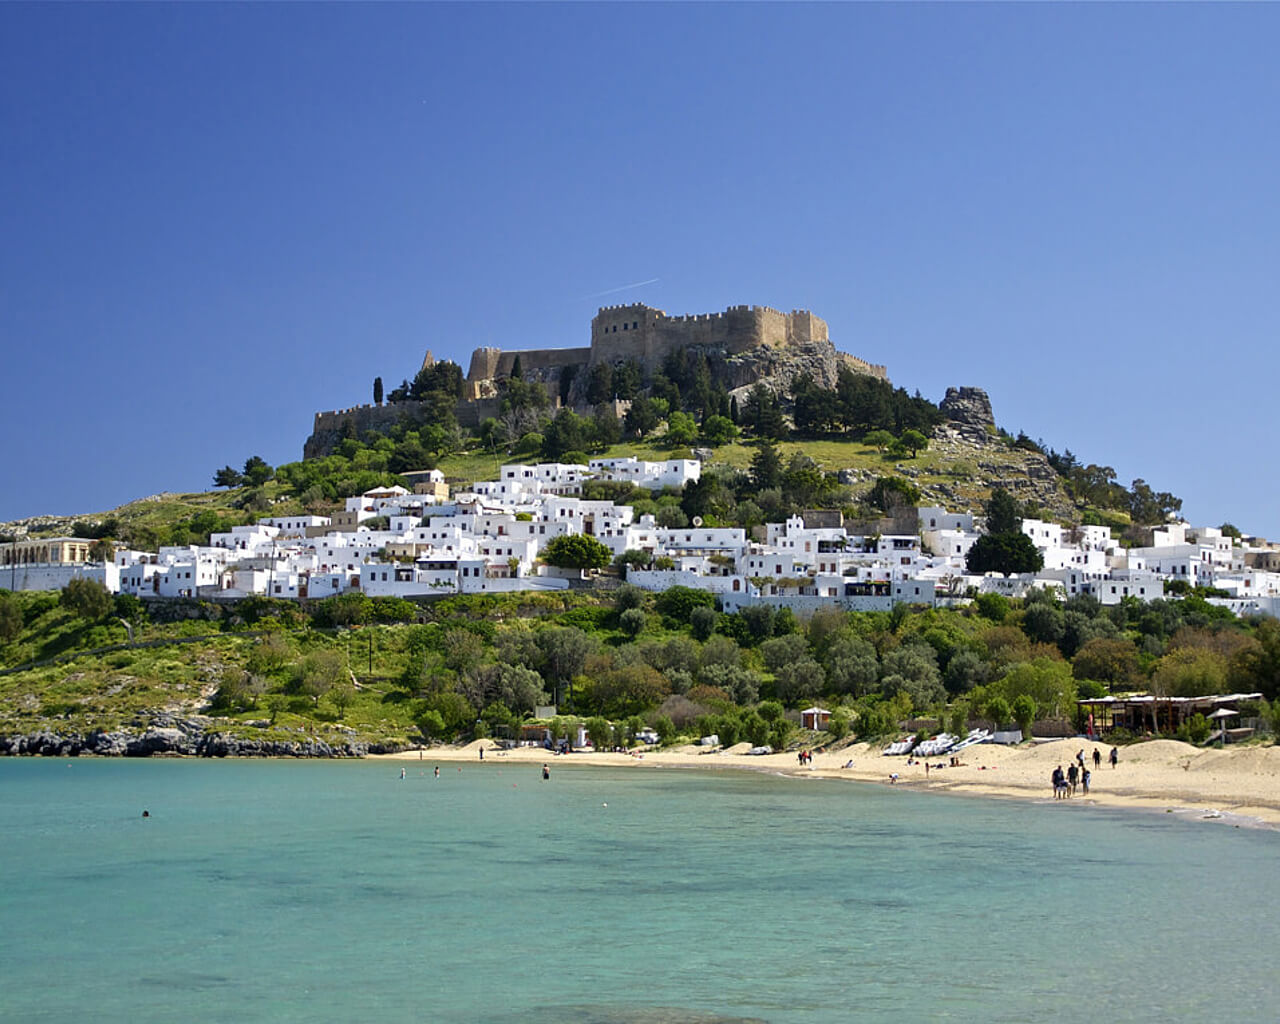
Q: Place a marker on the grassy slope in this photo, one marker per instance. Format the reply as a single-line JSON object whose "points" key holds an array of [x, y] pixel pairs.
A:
{"points": [[969, 483], [113, 689]]}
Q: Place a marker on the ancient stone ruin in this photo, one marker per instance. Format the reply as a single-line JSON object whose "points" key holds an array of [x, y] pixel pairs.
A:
{"points": [[742, 346]]}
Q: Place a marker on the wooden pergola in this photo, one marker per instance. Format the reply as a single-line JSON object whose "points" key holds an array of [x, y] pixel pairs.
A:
{"points": [[1146, 712]]}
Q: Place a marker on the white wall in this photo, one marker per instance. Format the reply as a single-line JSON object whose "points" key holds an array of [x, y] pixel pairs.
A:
{"points": [[55, 577]]}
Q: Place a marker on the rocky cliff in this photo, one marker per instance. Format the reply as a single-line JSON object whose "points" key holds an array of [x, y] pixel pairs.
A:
{"points": [[195, 736]]}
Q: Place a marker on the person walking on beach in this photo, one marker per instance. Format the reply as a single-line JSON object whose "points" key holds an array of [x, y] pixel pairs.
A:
{"points": [[482, 753], [1097, 759], [1115, 756], [1073, 775], [1080, 758], [1084, 781], [1059, 783]]}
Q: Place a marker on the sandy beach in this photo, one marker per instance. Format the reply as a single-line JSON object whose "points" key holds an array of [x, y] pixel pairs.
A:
{"points": [[1242, 784]]}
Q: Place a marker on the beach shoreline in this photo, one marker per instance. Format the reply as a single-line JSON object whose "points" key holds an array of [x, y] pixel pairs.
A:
{"points": [[1238, 786]]}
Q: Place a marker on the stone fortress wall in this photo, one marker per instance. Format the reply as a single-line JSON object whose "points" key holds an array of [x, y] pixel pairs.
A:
{"points": [[637, 331], [491, 363], [619, 333]]}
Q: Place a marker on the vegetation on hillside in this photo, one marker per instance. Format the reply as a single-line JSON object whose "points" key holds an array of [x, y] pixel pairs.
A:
{"points": [[390, 670]]}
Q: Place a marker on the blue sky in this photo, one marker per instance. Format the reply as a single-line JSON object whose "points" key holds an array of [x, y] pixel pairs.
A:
{"points": [[215, 220]]}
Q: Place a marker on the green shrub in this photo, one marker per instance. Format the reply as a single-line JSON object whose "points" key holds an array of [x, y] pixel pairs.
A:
{"points": [[703, 622], [678, 603], [1198, 728]]}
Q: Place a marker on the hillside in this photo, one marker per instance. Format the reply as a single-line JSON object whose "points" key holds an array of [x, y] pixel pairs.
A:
{"points": [[958, 471]]}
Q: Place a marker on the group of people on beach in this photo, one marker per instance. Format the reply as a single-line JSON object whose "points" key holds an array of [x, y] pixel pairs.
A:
{"points": [[1078, 774], [1065, 783], [805, 757]]}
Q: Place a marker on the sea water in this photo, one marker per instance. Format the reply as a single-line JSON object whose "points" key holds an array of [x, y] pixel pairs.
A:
{"points": [[337, 891]]}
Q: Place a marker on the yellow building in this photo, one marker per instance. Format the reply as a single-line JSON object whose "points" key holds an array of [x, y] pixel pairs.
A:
{"points": [[46, 551]]}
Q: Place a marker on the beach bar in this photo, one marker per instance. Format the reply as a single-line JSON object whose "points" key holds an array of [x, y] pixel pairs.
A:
{"points": [[1148, 713]]}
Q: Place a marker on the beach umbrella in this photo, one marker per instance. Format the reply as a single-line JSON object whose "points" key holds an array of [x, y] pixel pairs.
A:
{"points": [[1221, 715]]}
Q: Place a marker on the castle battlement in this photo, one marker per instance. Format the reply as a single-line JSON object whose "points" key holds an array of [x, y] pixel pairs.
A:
{"points": [[744, 343], [634, 331]]}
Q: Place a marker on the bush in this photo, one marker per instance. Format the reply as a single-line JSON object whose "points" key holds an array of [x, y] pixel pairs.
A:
{"points": [[431, 723], [627, 597], [600, 733], [1023, 710], [665, 728], [632, 622], [88, 599], [703, 622], [838, 724], [529, 444], [393, 609], [998, 711], [130, 608], [10, 617], [678, 603], [729, 729], [343, 610]]}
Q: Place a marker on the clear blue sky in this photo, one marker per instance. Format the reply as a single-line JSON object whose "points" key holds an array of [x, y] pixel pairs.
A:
{"points": [[215, 220]]}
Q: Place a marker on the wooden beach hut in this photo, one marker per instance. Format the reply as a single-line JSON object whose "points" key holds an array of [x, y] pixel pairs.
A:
{"points": [[814, 718]]}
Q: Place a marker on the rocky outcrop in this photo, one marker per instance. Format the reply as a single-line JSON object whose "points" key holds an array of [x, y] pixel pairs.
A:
{"points": [[969, 410], [167, 735], [777, 367]]}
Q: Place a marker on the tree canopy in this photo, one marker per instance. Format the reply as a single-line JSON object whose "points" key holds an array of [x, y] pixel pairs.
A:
{"points": [[576, 552]]}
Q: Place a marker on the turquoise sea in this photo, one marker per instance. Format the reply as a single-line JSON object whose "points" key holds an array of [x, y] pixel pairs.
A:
{"points": [[335, 891]]}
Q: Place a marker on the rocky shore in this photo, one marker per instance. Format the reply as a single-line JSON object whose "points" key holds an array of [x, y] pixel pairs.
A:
{"points": [[173, 736]]}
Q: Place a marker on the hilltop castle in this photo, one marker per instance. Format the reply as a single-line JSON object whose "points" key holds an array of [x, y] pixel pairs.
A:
{"points": [[743, 345], [648, 335]]}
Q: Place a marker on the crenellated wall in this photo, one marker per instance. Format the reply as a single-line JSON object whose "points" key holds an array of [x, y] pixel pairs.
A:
{"points": [[620, 333], [637, 331]]}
